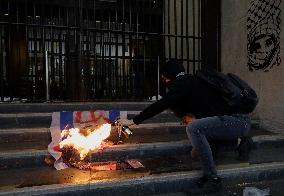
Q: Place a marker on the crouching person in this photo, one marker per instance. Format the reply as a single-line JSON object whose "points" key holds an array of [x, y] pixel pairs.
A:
{"points": [[216, 128], [220, 105]]}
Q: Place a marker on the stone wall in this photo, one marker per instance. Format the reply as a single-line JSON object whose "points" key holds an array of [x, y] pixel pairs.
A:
{"points": [[252, 47]]}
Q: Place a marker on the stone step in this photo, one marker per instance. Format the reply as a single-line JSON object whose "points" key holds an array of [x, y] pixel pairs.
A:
{"points": [[17, 135], [35, 158], [30, 120], [72, 106], [39, 138], [170, 173], [27, 120]]}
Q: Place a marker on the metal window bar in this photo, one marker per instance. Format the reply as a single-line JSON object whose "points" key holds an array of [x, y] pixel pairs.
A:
{"points": [[193, 32], [2, 91], [187, 34], [100, 37]]}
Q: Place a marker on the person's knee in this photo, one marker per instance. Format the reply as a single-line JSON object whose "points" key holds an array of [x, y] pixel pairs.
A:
{"points": [[193, 129]]}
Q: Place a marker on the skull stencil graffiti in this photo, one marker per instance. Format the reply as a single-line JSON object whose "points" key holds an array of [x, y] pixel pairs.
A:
{"points": [[263, 25]]}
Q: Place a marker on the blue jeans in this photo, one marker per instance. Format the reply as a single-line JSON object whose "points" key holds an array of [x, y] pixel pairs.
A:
{"points": [[228, 127]]}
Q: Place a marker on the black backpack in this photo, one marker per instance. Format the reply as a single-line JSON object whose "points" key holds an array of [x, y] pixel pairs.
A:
{"points": [[235, 92]]}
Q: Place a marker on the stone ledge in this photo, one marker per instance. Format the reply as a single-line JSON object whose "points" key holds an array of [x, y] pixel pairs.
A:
{"points": [[159, 184]]}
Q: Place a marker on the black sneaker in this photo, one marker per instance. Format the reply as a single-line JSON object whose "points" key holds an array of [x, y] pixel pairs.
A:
{"points": [[201, 181], [209, 185], [245, 148]]}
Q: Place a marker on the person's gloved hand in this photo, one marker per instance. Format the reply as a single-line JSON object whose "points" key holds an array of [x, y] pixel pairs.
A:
{"points": [[123, 127], [124, 121]]}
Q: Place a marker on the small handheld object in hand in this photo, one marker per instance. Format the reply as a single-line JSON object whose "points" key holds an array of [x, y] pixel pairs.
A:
{"points": [[126, 131], [123, 130]]}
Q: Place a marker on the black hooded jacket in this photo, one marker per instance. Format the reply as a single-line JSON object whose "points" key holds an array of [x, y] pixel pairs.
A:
{"points": [[187, 94]]}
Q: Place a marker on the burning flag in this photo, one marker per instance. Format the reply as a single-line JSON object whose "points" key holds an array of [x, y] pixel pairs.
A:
{"points": [[85, 140], [79, 133]]}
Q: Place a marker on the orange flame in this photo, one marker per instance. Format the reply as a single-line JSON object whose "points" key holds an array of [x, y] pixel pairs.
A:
{"points": [[89, 141]]}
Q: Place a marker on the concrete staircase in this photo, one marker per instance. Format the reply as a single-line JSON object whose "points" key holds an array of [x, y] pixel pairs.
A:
{"points": [[160, 143]]}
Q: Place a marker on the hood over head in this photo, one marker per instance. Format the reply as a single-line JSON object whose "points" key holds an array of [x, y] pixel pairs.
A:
{"points": [[172, 69]]}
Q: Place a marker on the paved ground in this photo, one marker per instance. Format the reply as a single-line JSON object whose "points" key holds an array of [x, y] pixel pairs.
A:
{"points": [[18, 178], [275, 187]]}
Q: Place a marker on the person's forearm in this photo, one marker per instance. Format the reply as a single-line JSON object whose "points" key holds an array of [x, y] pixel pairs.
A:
{"points": [[151, 111]]}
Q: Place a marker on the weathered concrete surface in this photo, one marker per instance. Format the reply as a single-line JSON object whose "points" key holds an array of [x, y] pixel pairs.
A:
{"points": [[275, 188], [155, 184], [39, 138], [80, 106], [269, 85], [27, 120], [35, 158]]}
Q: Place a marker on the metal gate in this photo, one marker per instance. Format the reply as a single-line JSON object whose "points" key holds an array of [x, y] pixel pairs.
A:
{"points": [[95, 49]]}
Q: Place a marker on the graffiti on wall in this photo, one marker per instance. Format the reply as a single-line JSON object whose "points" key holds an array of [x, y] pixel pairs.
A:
{"points": [[263, 27]]}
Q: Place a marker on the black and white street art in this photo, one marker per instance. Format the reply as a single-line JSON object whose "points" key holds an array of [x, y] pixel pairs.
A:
{"points": [[263, 27]]}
